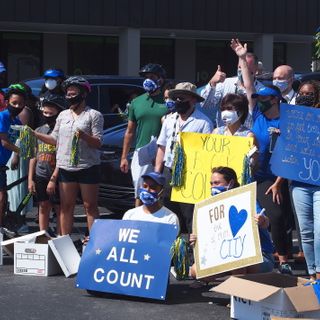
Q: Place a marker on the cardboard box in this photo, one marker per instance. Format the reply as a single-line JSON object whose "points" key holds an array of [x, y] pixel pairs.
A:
{"points": [[261, 296], [40, 255]]}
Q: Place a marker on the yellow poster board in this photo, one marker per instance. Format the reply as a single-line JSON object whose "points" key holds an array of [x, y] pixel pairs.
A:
{"points": [[202, 153]]}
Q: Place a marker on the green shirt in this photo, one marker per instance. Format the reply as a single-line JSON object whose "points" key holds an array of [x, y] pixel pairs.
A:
{"points": [[146, 111]]}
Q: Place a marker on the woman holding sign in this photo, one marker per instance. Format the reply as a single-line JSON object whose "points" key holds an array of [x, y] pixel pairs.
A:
{"points": [[306, 197], [223, 179]]}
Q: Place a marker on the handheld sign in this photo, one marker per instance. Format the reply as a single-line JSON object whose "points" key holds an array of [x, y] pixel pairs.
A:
{"points": [[227, 234], [127, 257], [202, 153], [296, 155]]}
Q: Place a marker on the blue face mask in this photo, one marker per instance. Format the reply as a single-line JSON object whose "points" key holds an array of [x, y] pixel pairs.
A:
{"points": [[218, 189], [281, 84], [150, 86], [148, 198], [170, 104]]}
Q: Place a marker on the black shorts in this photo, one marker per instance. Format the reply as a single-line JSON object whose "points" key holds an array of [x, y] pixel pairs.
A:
{"points": [[41, 191], [91, 175]]}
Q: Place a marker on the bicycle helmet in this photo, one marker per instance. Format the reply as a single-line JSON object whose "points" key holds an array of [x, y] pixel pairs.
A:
{"points": [[16, 88], [77, 81], [53, 73], [55, 99], [153, 68]]}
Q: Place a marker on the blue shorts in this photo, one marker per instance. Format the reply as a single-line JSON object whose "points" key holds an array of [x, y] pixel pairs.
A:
{"points": [[3, 180], [91, 175]]}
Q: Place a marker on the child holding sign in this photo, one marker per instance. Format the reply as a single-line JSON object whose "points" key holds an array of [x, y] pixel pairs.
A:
{"points": [[223, 179]]}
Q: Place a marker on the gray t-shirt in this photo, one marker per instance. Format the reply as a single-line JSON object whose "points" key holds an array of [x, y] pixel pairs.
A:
{"points": [[89, 121], [46, 155]]}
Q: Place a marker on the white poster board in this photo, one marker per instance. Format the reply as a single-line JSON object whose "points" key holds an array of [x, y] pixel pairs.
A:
{"points": [[227, 234]]}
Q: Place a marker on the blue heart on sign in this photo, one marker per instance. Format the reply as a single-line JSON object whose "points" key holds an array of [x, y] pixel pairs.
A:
{"points": [[237, 219]]}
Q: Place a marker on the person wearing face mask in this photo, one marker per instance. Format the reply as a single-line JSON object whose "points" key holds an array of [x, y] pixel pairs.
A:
{"points": [[19, 165], [224, 179], [77, 135], [42, 177], [186, 119], [15, 99], [144, 122], [152, 209], [53, 79], [283, 77], [306, 196], [219, 86], [272, 191]]}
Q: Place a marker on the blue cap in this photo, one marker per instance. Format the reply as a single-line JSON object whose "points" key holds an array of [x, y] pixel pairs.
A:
{"points": [[53, 73], [156, 176], [2, 67], [266, 91]]}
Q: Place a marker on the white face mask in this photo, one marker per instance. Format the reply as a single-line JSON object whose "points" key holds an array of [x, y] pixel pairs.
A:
{"points": [[281, 84], [50, 84], [229, 117]]}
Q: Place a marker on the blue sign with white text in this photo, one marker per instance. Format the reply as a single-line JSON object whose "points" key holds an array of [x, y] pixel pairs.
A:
{"points": [[127, 257], [296, 155]]}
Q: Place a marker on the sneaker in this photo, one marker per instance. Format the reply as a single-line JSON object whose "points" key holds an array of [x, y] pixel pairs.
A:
{"points": [[285, 268], [7, 234]]}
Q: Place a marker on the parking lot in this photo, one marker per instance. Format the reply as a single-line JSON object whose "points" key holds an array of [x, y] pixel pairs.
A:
{"points": [[56, 297]]}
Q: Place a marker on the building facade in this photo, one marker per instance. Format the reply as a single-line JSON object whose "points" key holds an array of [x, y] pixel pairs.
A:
{"points": [[189, 38]]}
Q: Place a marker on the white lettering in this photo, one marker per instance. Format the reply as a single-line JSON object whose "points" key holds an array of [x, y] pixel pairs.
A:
{"points": [[112, 254], [95, 275]]}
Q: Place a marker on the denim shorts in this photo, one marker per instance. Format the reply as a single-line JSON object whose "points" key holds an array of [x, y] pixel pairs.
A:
{"points": [[91, 175]]}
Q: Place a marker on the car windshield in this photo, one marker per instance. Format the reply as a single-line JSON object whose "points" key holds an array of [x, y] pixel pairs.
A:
{"points": [[35, 85]]}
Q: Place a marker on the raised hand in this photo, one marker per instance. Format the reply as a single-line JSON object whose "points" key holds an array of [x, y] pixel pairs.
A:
{"points": [[238, 48], [219, 76]]}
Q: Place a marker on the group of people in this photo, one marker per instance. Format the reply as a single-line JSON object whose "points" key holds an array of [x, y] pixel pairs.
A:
{"points": [[68, 140], [243, 106], [66, 153]]}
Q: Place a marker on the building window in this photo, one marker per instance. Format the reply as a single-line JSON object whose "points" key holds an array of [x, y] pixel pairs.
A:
{"points": [[159, 51], [279, 54], [22, 55], [93, 55], [210, 54]]}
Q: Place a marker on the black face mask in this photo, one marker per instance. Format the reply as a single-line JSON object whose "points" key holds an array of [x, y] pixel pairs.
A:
{"points": [[76, 100], [264, 105], [305, 100], [50, 121], [182, 107], [14, 111]]}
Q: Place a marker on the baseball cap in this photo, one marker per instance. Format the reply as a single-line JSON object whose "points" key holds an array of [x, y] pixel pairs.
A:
{"points": [[266, 91], [155, 176]]}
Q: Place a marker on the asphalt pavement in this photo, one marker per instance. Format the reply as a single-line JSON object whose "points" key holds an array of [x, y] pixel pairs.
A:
{"points": [[56, 297]]}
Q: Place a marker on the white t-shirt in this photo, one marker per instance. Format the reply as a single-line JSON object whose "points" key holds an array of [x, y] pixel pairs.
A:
{"points": [[163, 215]]}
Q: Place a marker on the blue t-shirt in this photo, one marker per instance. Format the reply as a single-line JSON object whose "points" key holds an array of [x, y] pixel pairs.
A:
{"points": [[5, 123], [261, 124], [265, 240]]}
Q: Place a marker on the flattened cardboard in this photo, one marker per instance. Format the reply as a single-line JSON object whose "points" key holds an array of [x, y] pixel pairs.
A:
{"points": [[66, 254], [8, 245], [245, 289]]}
